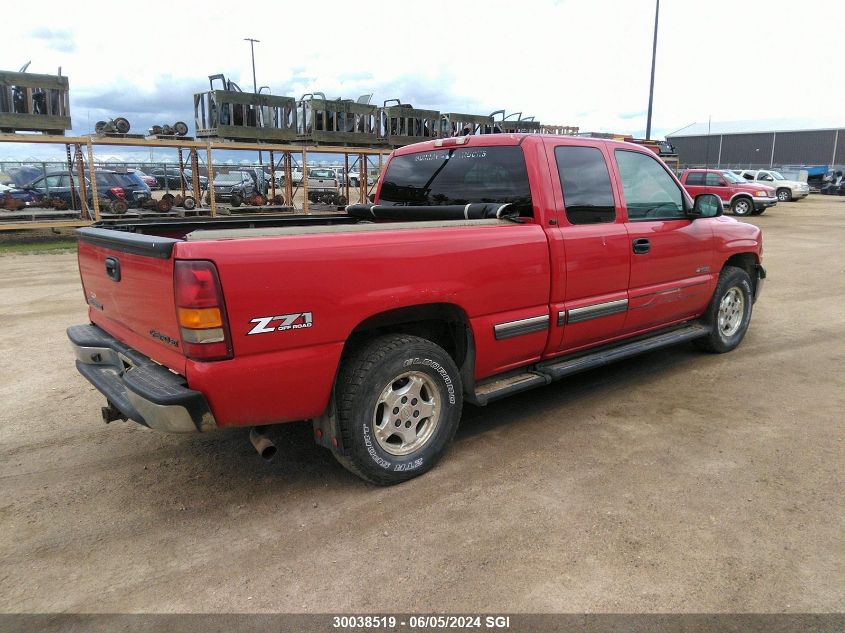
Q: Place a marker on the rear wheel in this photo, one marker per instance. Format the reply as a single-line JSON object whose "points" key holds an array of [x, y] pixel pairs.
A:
{"points": [[784, 195], [399, 400], [729, 312], [742, 206]]}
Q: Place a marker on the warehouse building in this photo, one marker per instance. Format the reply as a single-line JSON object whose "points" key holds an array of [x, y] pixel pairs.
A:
{"points": [[759, 150]]}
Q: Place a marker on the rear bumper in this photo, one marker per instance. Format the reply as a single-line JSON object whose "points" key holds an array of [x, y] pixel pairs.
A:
{"points": [[139, 388]]}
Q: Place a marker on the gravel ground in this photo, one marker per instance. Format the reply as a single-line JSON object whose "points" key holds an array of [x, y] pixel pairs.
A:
{"points": [[678, 481]]}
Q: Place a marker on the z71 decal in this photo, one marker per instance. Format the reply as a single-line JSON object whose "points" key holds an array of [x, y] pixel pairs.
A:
{"points": [[295, 321]]}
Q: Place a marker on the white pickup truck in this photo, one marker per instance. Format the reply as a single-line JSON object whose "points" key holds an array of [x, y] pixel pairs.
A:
{"points": [[786, 190], [324, 187]]}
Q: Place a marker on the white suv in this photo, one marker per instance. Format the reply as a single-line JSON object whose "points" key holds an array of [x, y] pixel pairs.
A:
{"points": [[786, 190]]}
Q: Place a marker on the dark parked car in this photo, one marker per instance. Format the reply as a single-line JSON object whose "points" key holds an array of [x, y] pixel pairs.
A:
{"points": [[233, 187], [135, 189], [20, 197], [115, 189], [172, 180]]}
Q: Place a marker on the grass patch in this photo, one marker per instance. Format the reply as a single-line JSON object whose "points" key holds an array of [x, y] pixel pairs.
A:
{"points": [[62, 245]]}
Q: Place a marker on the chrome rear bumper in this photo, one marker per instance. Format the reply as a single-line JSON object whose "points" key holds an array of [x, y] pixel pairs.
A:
{"points": [[139, 388]]}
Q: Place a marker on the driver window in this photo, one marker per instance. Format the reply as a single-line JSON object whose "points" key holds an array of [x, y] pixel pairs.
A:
{"points": [[767, 177], [650, 193]]}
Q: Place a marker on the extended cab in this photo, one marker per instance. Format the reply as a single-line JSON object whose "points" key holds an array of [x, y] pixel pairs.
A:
{"points": [[742, 197], [489, 265]]}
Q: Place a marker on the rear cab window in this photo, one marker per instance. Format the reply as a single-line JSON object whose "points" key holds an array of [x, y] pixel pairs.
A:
{"points": [[458, 176], [585, 183]]}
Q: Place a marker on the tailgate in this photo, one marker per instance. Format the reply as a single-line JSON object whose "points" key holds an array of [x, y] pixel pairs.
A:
{"points": [[128, 283]]}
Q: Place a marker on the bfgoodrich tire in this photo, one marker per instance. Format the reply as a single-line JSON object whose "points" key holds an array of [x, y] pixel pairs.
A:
{"points": [[729, 312], [399, 401]]}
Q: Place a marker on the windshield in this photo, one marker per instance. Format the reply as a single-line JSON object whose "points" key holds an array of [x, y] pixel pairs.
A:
{"points": [[732, 177], [236, 177], [457, 176], [776, 175]]}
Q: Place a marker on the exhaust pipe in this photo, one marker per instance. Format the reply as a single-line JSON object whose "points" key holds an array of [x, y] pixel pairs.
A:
{"points": [[262, 444]]}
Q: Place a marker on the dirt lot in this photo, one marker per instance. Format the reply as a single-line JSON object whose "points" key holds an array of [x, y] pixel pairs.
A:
{"points": [[675, 482]]}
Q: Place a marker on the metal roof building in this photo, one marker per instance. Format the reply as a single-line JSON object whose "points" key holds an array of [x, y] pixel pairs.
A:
{"points": [[758, 150]]}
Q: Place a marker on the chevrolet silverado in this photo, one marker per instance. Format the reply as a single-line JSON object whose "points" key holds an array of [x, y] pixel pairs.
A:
{"points": [[486, 266]]}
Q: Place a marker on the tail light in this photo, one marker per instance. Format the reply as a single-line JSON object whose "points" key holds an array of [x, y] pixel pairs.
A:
{"points": [[201, 311], [118, 192]]}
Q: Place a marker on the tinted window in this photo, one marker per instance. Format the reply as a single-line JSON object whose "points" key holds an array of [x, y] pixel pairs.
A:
{"points": [[458, 176], [131, 181], [108, 178], [587, 196], [714, 180], [695, 178], [650, 193]]}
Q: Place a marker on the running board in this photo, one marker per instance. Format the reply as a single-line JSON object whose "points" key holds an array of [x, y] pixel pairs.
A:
{"points": [[548, 371]]}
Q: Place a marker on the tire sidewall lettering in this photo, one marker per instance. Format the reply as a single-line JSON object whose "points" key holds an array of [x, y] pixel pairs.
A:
{"points": [[441, 371], [414, 461]]}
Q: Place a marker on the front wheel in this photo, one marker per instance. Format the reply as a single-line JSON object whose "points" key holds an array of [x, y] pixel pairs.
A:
{"points": [[784, 195], [729, 312], [399, 400], [742, 206]]}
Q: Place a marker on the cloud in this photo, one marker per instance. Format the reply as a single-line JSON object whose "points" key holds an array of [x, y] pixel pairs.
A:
{"points": [[61, 40]]}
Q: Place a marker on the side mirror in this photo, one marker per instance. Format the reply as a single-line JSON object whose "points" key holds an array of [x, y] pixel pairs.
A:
{"points": [[706, 206], [372, 197]]}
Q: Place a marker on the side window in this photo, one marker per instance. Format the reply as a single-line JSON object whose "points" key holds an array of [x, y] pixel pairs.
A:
{"points": [[714, 180], [51, 181], [764, 176], [587, 194], [695, 178], [747, 175], [650, 193]]}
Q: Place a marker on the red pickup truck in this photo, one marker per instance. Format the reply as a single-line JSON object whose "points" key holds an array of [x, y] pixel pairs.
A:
{"points": [[743, 197], [488, 265]]}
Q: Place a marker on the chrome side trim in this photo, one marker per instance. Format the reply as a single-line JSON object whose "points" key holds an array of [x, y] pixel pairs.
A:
{"points": [[520, 327], [596, 311]]}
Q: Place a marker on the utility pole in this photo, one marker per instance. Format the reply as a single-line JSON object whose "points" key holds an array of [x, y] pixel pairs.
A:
{"points": [[252, 43], [653, 59]]}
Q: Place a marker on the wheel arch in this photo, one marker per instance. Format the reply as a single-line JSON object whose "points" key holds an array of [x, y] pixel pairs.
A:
{"points": [[747, 262], [741, 194], [445, 324]]}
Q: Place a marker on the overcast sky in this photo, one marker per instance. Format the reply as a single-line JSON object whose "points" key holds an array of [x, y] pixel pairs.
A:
{"points": [[569, 62]]}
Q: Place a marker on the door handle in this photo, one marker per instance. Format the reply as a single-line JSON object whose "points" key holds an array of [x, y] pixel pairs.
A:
{"points": [[642, 245]]}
